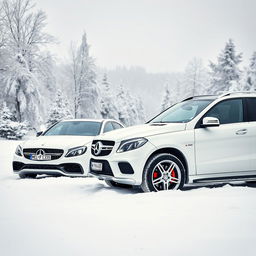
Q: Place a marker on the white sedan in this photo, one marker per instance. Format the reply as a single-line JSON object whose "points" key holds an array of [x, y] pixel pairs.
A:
{"points": [[64, 149]]}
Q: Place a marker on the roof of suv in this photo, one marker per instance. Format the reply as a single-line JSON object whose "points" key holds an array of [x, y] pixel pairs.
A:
{"points": [[225, 94]]}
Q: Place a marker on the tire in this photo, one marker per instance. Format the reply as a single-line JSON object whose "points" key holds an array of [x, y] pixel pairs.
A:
{"points": [[25, 176], [114, 184], [163, 172]]}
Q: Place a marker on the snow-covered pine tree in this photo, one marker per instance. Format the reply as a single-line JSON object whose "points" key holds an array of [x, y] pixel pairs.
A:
{"points": [[130, 109], [225, 73], [166, 102], [122, 106], [250, 76], [107, 105], [140, 111], [59, 110], [85, 90], [9, 127]]}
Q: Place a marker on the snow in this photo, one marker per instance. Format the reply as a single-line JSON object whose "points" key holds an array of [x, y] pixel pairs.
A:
{"points": [[83, 216]]}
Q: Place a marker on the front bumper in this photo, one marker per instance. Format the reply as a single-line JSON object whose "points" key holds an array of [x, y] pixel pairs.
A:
{"points": [[126, 167], [73, 166]]}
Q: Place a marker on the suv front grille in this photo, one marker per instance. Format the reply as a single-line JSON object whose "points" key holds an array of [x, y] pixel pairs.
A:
{"points": [[54, 153], [102, 147]]}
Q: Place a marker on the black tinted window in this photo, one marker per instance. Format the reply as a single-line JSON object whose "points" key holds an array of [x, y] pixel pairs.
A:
{"points": [[75, 128], [228, 111], [252, 109], [117, 125], [108, 127]]}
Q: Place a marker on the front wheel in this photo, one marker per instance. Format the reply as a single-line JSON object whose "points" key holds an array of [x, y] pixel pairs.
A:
{"points": [[163, 172]]}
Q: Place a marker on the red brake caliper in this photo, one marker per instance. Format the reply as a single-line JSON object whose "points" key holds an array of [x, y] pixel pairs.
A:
{"points": [[173, 174], [155, 175]]}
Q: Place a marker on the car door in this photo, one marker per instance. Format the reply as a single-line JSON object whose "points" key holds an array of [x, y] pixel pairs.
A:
{"points": [[226, 148], [251, 107]]}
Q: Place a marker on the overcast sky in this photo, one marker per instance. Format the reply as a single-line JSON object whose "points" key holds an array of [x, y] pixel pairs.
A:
{"points": [[160, 35]]}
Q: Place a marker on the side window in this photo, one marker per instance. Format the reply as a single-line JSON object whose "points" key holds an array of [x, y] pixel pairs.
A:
{"points": [[117, 125], [228, 111], [108, 127], [251, 109]]}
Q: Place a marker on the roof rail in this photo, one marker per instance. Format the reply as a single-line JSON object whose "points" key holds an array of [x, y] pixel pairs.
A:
{"points": [[237, 92], [198, 96]]}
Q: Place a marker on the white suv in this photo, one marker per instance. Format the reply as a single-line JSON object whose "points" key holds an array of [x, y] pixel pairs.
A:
{"points": [[62, 149], [201, 139]]}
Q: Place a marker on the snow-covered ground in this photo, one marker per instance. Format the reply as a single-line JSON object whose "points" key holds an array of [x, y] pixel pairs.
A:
{"points": [[82, 216]]}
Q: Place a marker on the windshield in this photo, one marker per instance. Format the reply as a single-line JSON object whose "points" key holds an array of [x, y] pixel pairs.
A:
{"points": [[182, 112], [75, 128]]}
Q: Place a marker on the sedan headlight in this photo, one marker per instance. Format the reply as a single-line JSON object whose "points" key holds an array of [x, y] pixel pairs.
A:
{"points": [[127, 145], [78, 151], [18, 151]]}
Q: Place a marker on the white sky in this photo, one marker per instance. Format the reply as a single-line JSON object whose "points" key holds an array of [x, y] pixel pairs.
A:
{"points": [[160, 35]]}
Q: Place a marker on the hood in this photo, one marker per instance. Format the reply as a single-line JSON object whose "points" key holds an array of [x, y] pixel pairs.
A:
{"points": [[144, 130], [62, 142]]}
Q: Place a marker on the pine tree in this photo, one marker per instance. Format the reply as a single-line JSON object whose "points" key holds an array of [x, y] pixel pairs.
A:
{"points": [[122, 105], [59, 110], [166, 102], [85, 90], [250, 77], [107, 105], [226, 72], [130, 109], [9, 127]]}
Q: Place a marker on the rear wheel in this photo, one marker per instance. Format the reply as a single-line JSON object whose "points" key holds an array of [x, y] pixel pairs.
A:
{"points": [[163, 172], [114, 184], [27, 175]]}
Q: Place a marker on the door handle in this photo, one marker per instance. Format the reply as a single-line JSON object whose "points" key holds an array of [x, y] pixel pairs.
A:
{"points": [[241, 132]]}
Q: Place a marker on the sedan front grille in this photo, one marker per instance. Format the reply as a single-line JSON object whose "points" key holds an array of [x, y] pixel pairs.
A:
{"points": [[54, 153]]}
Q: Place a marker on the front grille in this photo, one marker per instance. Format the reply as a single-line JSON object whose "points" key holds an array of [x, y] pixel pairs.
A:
{"points": [[105, 147], [54, 153], [106, 169], [69, 168]]}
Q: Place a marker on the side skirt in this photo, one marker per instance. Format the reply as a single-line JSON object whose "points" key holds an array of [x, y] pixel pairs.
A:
{"points": [[225, 179]]}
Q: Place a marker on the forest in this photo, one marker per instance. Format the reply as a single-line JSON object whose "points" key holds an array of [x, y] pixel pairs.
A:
{"points": [[36, 91]]}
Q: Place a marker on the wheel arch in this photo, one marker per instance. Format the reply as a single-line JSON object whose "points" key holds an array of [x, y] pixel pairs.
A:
{"points": [[177, 153]]}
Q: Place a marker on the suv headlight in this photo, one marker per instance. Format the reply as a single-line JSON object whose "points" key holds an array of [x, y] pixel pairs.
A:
{"points": [[78, 151], [127, 145], [18, 151]]}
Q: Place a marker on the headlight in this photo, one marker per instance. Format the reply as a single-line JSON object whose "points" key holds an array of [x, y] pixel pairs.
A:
{"points": [[127, 145], [78, 151], [18, 151]]}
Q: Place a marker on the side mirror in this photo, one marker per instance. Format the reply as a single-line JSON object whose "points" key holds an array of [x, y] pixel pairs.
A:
{"points": [[39, 134], [210, 122]]}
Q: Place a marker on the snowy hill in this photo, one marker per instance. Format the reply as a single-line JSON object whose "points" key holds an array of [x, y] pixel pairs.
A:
{"points": [[82, 216]]}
